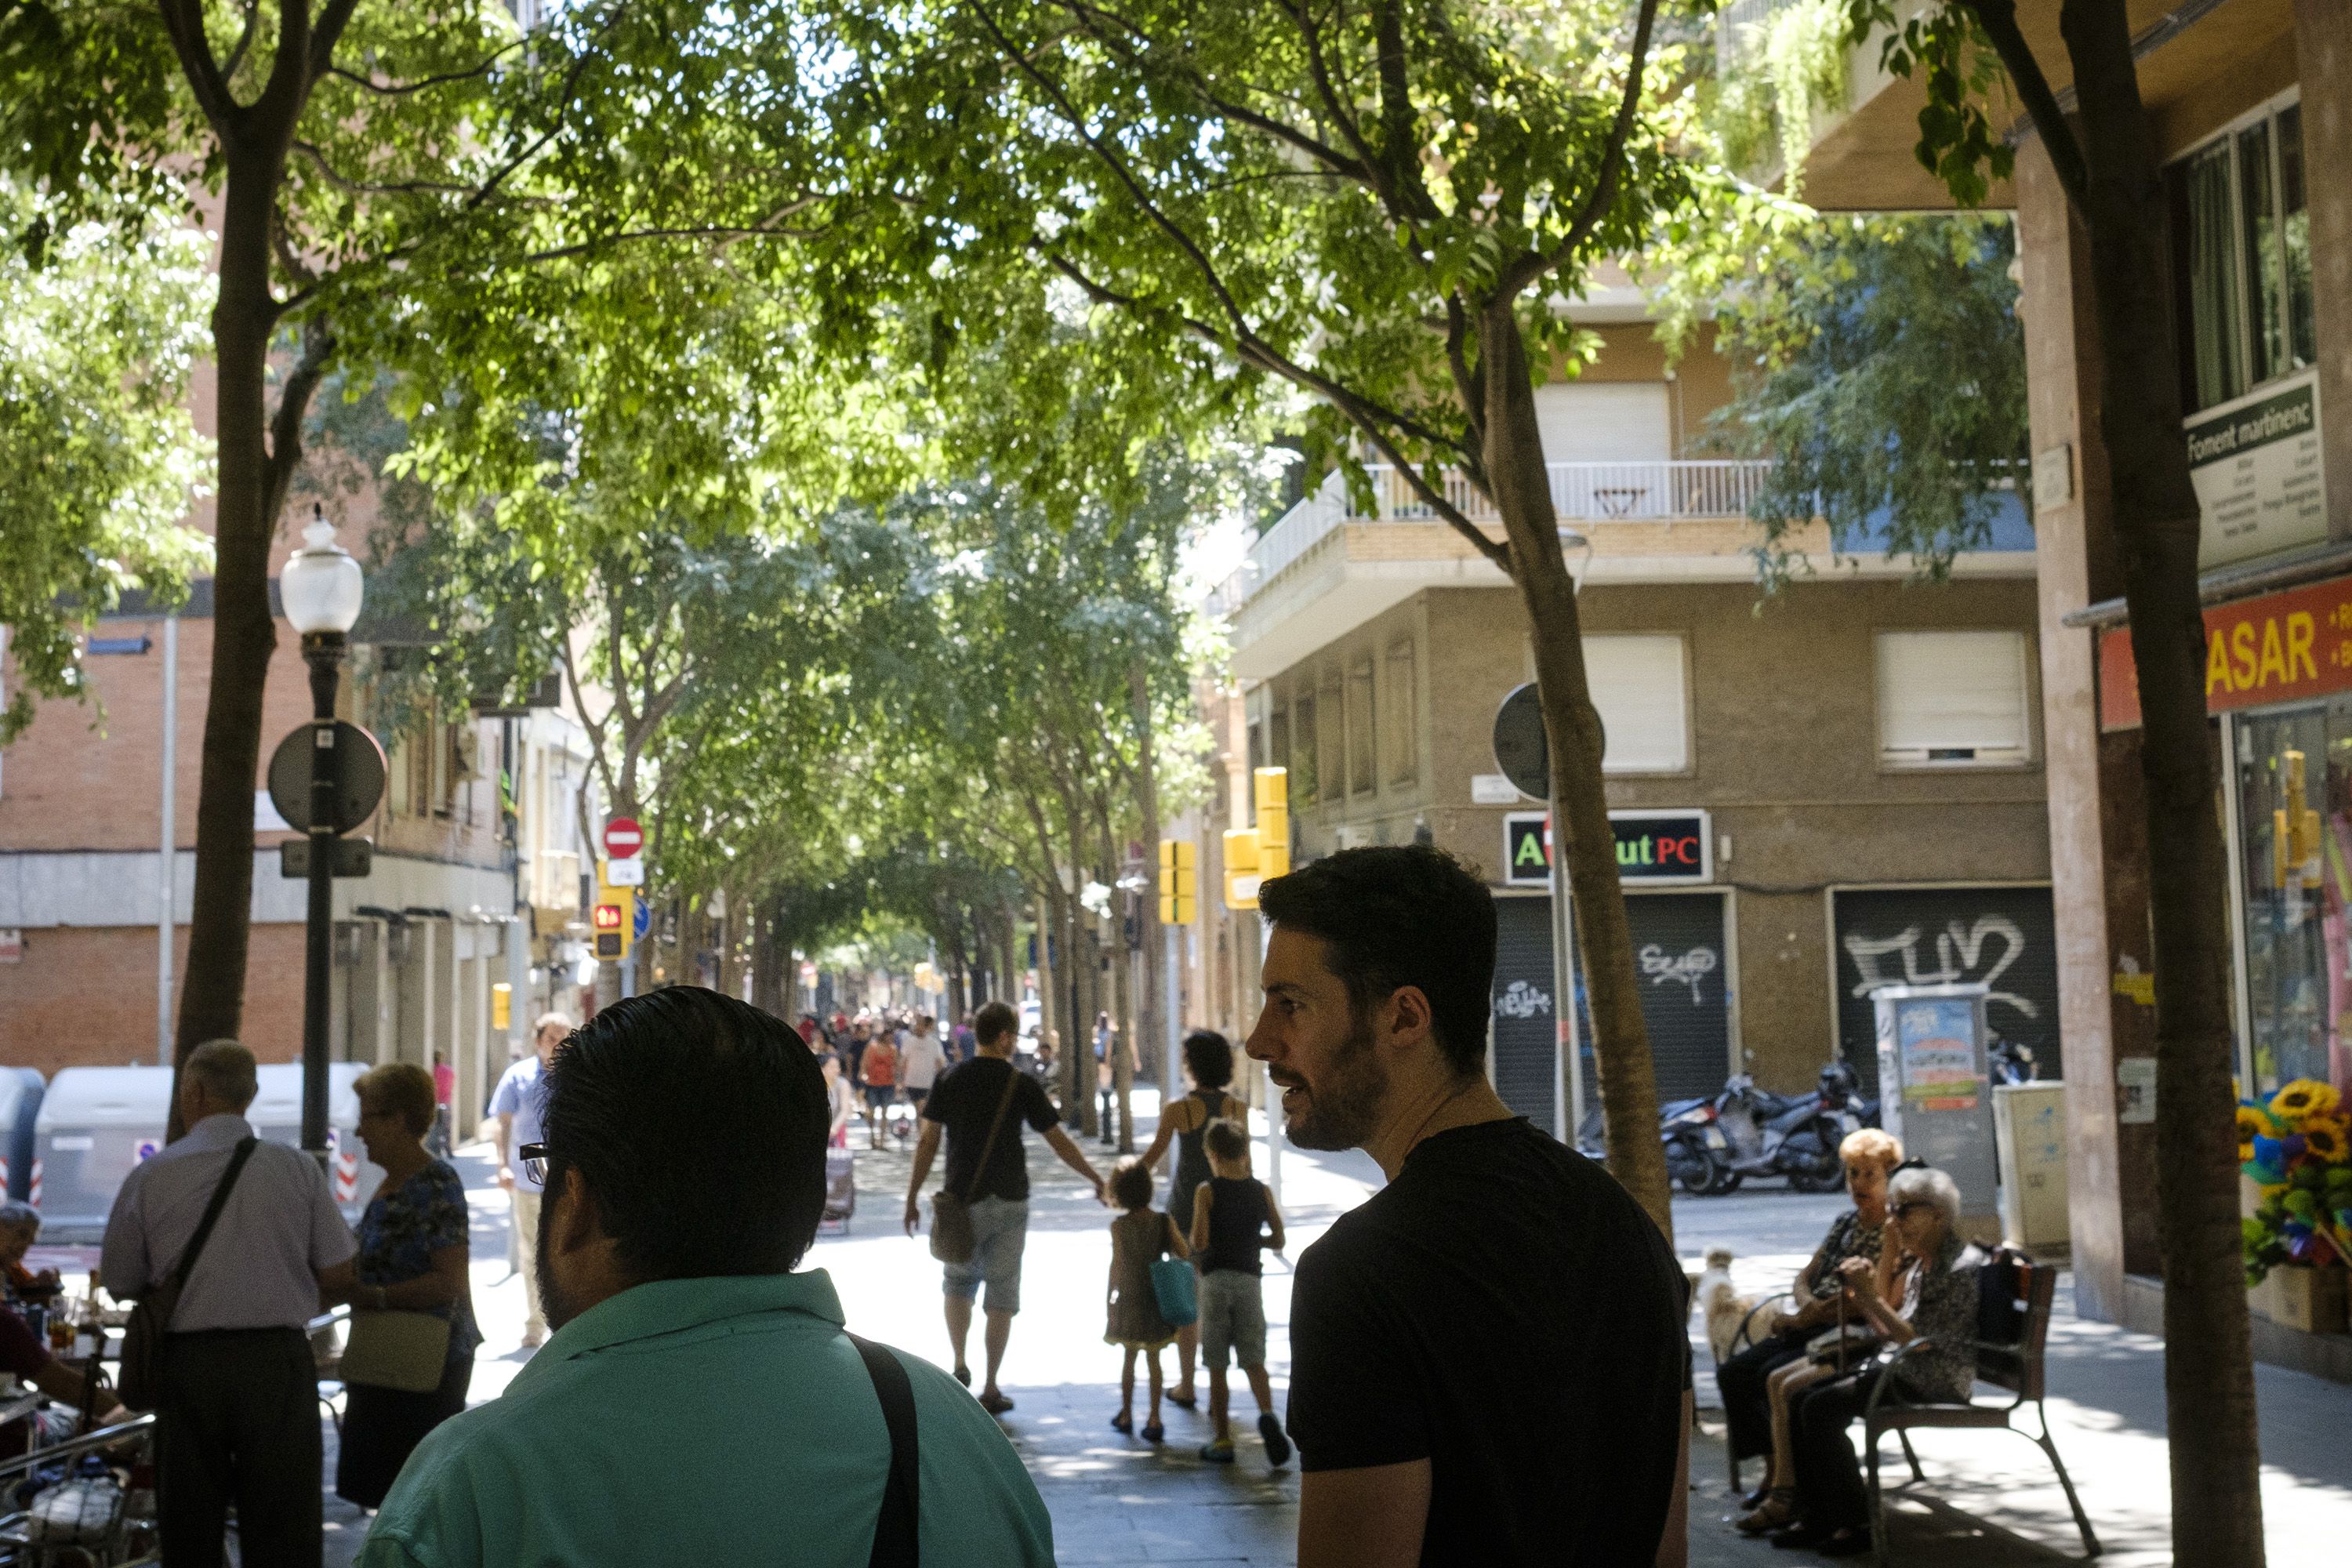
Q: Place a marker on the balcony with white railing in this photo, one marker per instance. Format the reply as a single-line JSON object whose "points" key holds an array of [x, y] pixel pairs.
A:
{"points": [[1680, 490]]}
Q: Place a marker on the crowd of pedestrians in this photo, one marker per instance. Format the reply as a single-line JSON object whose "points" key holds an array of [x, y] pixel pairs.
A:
{"points": [[695, 1396]]}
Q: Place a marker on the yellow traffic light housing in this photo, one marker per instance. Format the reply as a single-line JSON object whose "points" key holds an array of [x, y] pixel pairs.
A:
{"points": [[1241, 868], [613, 922], [1273, 790], [1179, 881]]}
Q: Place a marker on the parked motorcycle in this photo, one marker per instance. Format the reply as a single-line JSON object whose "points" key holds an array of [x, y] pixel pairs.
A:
{"points": [[2007, 1062], [1795, 1136]]}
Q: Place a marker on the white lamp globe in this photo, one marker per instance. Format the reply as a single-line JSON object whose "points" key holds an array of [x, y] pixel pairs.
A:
{"points": [[320, 585]]}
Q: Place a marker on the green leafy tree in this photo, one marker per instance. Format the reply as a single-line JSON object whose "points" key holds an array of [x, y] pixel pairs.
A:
{"points": [[1882, 368], [2104, 153], [99, 325], [1377, 205]]}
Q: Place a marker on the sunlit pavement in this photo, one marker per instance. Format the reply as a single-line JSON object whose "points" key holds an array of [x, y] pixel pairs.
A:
{"points": [[1990, 1499]]}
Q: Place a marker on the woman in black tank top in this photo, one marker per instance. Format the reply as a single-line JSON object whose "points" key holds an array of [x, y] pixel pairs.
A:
{"points": [[1209, 1063]]}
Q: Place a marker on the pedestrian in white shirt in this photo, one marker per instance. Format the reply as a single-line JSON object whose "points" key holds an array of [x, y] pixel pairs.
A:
{"points": [[921, 1062], [237, 1418], [516, 1103]]}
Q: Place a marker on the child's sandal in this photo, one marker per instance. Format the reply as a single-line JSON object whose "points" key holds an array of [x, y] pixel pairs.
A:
{"points": [[1153, 1433], [1124, 1421]]}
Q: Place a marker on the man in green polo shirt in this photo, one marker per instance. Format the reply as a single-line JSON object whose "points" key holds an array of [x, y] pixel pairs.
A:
{"points": [[698, 1401]]}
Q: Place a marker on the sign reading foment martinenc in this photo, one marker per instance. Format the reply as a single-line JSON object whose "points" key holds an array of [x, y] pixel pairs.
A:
{"points": [[2256, 463]]}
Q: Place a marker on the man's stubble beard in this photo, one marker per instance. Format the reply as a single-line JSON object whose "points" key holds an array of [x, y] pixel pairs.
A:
{"points": [[552, 1304], [1343, 1111]]}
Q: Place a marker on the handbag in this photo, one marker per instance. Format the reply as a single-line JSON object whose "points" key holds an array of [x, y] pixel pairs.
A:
{"points": [[1171, 1285], [404, 1351], [143, 1338], [952, 1239]]}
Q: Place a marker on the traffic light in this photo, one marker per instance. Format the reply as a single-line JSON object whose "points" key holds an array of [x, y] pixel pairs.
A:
{"points": [[501, 1007], [1241, 868], [1273, 823], [1179, 881], [614, 921]]}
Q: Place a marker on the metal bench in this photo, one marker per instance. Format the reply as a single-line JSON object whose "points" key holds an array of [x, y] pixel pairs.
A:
{"points": [[2012, 1290]]}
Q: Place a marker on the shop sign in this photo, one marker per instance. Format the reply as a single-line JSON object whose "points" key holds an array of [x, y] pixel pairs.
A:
{"points": [[1655, 849], [2276, 649], [2256, 464]]}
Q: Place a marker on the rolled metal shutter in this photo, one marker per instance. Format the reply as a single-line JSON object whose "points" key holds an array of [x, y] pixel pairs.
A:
{"points": [[1525, 1016], [1923, 936]]}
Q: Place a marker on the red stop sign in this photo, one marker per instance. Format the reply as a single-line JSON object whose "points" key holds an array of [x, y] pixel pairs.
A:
{"points": [[623, 838]]}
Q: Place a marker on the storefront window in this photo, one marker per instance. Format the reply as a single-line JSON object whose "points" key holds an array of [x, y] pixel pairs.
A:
{"points": [[2294, 795]]}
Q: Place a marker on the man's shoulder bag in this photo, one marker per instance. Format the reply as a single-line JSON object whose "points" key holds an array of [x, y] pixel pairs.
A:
{"points": [[143, 1338], [953, 1241]]}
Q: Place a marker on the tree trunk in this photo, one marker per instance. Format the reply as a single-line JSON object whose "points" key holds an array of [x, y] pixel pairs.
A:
{"points": [[2214, 1449], [1580, 801], [1049, 996], [212, 998], [771, 961]]}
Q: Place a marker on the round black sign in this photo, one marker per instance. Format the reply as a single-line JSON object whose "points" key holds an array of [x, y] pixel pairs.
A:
{"points": [[358, 764], [1520, 749]]}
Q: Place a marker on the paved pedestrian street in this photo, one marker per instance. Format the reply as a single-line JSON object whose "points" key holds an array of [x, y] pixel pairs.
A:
{"points": [[1989, 1500]]}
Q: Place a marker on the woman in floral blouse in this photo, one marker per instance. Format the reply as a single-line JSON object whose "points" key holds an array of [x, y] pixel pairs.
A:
{"points": [[412, 1258], [1938, 1304]]}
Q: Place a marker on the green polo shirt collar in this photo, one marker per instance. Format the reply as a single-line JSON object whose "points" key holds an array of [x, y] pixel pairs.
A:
{"points": [[672, 1306]]}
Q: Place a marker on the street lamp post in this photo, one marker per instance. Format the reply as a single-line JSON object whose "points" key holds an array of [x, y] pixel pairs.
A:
{"points": [[321, 587]]}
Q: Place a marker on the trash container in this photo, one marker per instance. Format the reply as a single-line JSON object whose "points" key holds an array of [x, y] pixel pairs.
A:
{"points": [[94, 1125], [277, 1115], [21, 1091]]}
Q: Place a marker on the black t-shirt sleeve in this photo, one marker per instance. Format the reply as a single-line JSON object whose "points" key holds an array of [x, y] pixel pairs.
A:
{"points": [[1356, 1394], [940, 1103], [1032, 1105]]}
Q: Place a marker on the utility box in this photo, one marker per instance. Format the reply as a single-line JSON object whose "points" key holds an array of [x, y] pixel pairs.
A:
{"points": [[1933, 1090], [2030, 1122], [95, 1125]]}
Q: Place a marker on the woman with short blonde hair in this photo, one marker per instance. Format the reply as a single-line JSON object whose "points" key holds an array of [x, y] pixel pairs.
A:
{"points": [[414, 1257]]}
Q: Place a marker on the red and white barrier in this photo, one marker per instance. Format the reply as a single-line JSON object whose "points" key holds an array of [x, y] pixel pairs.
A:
{"points": [[347, 1177], [34, 1196]]}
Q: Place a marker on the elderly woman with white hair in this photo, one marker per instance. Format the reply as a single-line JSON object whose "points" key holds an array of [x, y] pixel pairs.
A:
{"points": [[1936, 1302]]}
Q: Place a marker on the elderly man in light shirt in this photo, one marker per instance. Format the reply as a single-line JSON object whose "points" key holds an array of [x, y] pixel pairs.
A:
{"points": [[239, 1416], [516, 1103]]}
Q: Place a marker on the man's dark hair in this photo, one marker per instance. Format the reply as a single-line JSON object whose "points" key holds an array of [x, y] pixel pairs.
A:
{"points": [[994, 1022], [1209, 1057], [698, 1124], [1398, 915]]}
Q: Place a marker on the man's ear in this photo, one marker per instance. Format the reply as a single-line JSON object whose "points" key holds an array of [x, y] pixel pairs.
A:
{"points": [[575, 1226], [1407, 1017]]}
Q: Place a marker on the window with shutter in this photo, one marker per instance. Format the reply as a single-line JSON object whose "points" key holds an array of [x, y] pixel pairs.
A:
{"points": [[1362, 749], [1637, 682], [1401, 720], [1953, 699]]}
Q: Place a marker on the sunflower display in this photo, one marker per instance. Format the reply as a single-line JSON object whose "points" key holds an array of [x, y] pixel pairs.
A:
{"points": [[2297, 1150]]}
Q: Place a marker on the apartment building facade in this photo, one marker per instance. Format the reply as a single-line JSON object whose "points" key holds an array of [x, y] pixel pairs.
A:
{"points": [[1819, 791]]}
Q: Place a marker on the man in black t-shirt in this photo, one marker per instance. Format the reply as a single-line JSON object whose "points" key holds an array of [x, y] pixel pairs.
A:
{"points": [[964, 1104], [1487, 1357]]}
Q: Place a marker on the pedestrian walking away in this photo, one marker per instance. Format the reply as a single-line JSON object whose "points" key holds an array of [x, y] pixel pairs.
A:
{"points": [[877, 1070], [1140, 1237], [839, 1100], [979, 1107], [412, 1275], [1489, 1361], [516, 1104], [445, 1097], [921, 1064], [237, 1401], [1209, 1063], [1233, 1214], [695, 1382]]}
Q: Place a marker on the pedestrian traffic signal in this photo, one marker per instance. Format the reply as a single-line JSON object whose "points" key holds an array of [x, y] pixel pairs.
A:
{"points": [[1179, 881], [614, 920], [1241, 868], [501, 1005]]}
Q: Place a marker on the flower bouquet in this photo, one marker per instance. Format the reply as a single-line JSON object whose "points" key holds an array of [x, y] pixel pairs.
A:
{"points": [[2295, 1149]]}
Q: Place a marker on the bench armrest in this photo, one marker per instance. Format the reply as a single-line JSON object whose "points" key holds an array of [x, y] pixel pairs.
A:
{"points": [[1746, 1337], [1882, 1389]]}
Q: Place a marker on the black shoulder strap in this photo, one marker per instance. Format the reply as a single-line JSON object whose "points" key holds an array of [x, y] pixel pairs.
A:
{"points": [[898, 1533], [212, 1213]]}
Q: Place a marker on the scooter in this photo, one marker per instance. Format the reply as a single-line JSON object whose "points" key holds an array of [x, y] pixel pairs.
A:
{"points": [[1783, 1135], [1698, 1155]]}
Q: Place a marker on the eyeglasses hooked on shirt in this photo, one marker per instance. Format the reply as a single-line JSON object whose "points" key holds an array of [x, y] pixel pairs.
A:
{"points": [[534, 1162]]}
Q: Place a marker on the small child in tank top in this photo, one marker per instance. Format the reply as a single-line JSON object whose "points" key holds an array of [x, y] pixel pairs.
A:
{"points": [[1233, 1214]]}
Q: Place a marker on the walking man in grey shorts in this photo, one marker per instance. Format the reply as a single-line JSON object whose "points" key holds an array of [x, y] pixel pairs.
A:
{"points": [[1233, 1214], [963, 1108]]}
